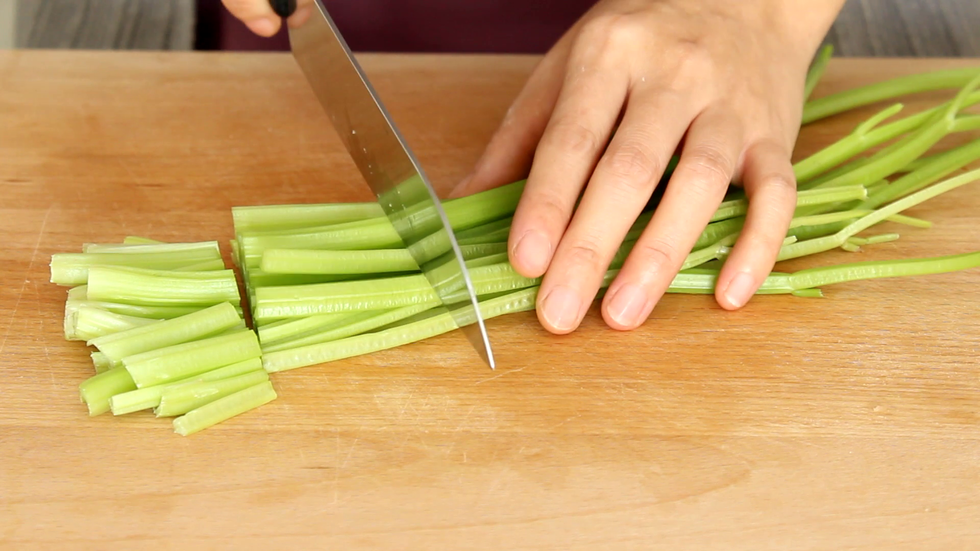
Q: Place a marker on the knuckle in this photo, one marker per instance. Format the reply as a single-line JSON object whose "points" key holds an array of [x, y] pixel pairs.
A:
{"points": [[574, 138], [779, 187], [710, 165], [584, 254], [654, 254], [633, 167]]}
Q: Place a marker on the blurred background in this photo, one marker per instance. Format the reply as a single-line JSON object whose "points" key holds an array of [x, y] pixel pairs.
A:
{"points": [[945, 28]]}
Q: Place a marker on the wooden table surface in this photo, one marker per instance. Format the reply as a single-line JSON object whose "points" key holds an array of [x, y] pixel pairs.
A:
{"points": [[849, 422]]}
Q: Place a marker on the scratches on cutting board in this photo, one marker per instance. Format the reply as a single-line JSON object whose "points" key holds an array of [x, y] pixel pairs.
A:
{"points": [[501, 374], [27, 278]]}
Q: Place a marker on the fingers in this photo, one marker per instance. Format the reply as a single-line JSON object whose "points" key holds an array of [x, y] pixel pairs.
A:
{"points": [[586, 111], [621, 185], [259, 17], [707, 163], [508, 156], [771, 189]]}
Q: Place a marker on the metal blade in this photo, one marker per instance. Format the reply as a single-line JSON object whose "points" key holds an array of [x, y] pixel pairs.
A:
{"points": [[391, 170]]}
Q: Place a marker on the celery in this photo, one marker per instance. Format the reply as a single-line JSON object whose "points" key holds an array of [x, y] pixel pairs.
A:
{"points": [[97, 390], [817, 69], [204, 323], [937, 168], [161, 288], [892, 88], [224, 408], [85, 323], [738, 207], [100, 362], [180, 399], [814, 246], [363, 322], [180, 361], [73, 268], [135, 310], [286, 217], [291, 261], [149, 397]]}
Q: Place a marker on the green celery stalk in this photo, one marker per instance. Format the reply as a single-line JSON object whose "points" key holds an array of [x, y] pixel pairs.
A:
{"points": [[100, 362], [363, 322], [179, 399], [98, 389], [299, 261], [892, 88], [149, 397], [941, 166], [86, 322], [185, 360], [207, 322], [817, 69], [73, 268], [224, 409], [821, 244], [161, 288], [286, 217]]}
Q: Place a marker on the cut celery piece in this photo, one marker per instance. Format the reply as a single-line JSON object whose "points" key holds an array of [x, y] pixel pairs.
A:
{"points": [[224, 408], [149, 397], [100, 362], [161, 288], [185, 360], [73, 268], [97, 390], [816, 70], [86, 322], [207, 322], [286, 217], [136, 310], [179, 399]]}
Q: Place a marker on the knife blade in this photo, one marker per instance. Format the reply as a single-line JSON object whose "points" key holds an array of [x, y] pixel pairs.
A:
{"points": [[387, 164]]}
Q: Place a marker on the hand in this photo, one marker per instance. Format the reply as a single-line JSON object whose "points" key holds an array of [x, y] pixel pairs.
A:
{"points": [[720, 82], [261, 20]]}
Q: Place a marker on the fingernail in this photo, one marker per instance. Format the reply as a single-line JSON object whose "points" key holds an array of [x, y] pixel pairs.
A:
{"points": [[264, 27], [561, 308], [627, 305], [533, 251], [740, 289]]}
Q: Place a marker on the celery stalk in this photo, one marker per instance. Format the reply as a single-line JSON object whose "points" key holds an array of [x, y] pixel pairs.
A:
{"points": [[224, 409], [98, 389], [179, 399], [180, 361], [204, 323], [149, 397]]}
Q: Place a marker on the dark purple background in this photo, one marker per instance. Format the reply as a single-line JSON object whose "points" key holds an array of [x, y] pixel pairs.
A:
{"points": [[497, 26]]}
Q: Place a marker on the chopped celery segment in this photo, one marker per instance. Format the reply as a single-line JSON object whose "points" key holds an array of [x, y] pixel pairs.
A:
{"points": [[97, 390], [73, 268], [86, 322], [180, 399], [224, 408], [149, 397], [197, 325], [180, 361], [161, 288]]}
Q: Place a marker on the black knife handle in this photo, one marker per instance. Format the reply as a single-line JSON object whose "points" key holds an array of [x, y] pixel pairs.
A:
{"points": [[283, 8]]}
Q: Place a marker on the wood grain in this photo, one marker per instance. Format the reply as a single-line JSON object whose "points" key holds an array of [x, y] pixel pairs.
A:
{"points": [[849, 422]]}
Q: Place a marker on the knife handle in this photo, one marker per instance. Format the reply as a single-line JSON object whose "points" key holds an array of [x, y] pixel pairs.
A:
{"points": [[283, 8]]}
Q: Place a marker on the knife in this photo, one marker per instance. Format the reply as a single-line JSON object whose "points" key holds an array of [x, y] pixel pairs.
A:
{"points": [[387, 164]]}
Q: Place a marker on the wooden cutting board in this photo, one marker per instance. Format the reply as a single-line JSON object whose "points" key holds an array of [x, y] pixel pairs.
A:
{"points": [[849, 422]]}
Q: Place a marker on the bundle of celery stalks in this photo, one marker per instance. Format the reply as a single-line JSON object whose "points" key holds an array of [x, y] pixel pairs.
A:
{"points": [[331, 281]]}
